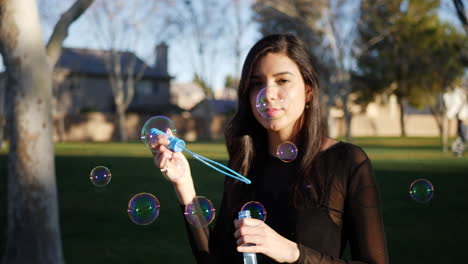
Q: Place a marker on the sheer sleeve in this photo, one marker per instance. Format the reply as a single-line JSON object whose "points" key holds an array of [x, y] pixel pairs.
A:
{"points": [[362, 223], [198, 238], [215, 245]]}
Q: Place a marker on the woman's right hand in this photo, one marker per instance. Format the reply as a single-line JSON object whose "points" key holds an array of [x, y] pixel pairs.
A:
{"points": [[173, 165]]}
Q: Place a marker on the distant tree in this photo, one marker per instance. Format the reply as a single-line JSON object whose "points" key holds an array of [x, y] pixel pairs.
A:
{"points": [[61, 93], [461, 13], [202, 83], [231, 81], [33, 234], [203, 26], [240, 24], [416, 60], [329, 28], [120, 28]]}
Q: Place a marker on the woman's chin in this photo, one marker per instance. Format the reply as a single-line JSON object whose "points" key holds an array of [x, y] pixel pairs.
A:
{"points": [[273, 125]]}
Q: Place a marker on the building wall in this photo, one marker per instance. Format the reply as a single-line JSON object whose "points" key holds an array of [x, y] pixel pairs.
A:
{"points": [[100, 126], [94, 93]]}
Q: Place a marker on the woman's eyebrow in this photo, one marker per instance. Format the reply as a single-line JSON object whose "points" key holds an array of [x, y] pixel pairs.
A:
{"points": [[274, 75], [281, 73]]}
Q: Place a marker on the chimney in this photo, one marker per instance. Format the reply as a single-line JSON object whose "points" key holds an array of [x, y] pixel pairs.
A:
{"points": [[161, 57]]}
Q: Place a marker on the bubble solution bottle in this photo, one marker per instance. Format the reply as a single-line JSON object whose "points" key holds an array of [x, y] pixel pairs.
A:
{"points": [[249, 258]]}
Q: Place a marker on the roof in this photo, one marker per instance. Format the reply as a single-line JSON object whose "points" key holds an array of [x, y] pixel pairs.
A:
{"points": [[92, 61], [218, 106]]}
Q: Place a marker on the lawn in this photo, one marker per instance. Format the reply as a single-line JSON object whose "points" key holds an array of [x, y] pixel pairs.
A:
{"points": [[96, 229]]}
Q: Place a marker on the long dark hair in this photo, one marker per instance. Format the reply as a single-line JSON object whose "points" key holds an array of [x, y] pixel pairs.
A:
{"points": [[246, 139]]}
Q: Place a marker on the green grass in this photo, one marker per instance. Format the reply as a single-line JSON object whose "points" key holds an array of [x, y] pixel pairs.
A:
{"points": [[96, 229]]}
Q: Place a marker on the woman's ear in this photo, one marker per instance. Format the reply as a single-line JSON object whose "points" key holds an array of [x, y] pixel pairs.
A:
{"points": [[308, 93]]}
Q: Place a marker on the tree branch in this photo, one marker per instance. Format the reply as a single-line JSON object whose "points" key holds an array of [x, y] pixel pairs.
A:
{"points": [[54, 45]]}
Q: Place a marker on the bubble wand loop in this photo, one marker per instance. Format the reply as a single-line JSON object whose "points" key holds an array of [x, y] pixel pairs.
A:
{"points": [[178, 145]]}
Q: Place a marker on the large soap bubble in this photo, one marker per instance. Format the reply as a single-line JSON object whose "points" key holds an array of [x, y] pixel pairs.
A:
{"points": [[272, 102]]}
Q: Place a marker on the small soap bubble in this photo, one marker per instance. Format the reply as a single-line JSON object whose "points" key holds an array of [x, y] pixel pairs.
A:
{"points": [[257, 210], [200, 212], [286, 151], [421, 190], [100, 176], [272, 102], [155, 126], [143, 208]]}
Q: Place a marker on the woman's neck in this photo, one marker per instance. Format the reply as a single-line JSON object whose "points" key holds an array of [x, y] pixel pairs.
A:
{"points": [[275, 138]]}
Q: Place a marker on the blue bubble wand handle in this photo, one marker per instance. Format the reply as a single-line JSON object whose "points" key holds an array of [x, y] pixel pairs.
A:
{"points": [[178, 145], [249, 258]]}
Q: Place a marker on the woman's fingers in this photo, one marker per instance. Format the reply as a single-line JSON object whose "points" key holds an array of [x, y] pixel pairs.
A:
{"points": [[246, 230], [249, 239], [159, 140], [161, 157], [247, 222]]}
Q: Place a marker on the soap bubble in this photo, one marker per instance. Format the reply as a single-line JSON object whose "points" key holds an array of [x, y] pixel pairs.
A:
{"points": [[257, 210], [286, 151], [272, 102], [200, 212], [152, 126], [100, 176], [143, 208], [421, 190]]}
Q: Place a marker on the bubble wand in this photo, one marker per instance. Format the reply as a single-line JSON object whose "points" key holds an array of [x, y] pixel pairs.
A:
{"points": [[178, 145]]}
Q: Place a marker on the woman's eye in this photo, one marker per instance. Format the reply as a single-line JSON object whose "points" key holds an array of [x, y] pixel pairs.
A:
{"points": [[283, 81]]}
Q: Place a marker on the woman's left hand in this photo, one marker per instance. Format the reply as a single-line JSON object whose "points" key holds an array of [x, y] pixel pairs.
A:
{"points": [[266, 240]]}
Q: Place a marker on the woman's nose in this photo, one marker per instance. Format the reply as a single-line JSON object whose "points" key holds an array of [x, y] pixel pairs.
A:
{"points": [[271, 93]]}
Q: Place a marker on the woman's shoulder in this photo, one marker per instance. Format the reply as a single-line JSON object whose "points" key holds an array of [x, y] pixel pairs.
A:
{"points": [[341, 150]]}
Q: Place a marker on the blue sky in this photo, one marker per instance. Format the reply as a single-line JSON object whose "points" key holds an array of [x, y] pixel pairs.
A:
{"points": [[181, 48]]}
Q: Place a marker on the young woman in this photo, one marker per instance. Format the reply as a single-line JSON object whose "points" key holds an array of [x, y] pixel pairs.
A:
{"points": [[317, 204]]}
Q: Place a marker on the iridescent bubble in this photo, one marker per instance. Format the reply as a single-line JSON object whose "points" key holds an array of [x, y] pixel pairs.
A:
{"points": [[200, 212], [143, 208], [100, 176], [272, 102], [257, 210], [286, 151], [421, 190], [154, 126]]}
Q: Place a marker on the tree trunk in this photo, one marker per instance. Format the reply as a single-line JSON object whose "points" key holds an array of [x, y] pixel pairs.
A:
{"points": [[401, 104], [33, 234], [347, 118], [122, 131], [438, 117], [445, 133], [332, 130]]}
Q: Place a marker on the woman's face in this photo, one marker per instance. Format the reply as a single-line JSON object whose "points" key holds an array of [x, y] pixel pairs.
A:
{"points": [[278, 74]]}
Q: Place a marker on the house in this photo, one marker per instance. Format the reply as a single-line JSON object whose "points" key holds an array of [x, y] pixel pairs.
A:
{"points": [[81, 80], [186, 94], [211, 116]]}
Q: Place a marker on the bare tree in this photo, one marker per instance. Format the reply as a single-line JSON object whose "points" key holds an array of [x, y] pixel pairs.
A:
{"points": [[33, 234], [203, 25], [331, 29], [120, 28], [461, 13], [241, 23], [330, 24]]}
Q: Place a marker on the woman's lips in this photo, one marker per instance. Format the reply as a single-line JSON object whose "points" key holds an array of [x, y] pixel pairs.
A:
{"points": [[272, 112]]}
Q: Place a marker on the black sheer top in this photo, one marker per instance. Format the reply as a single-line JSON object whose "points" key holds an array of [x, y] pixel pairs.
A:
{"points": [[349, 212]]}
